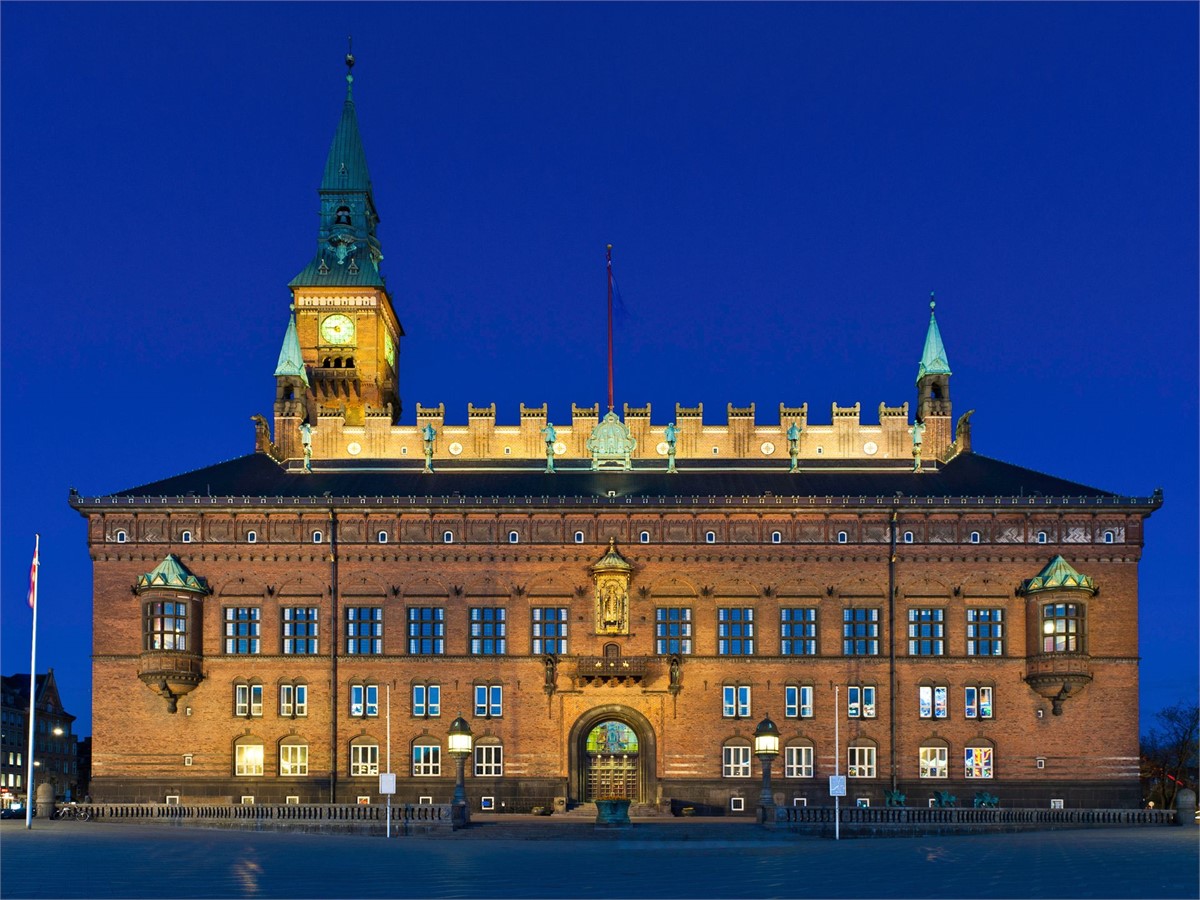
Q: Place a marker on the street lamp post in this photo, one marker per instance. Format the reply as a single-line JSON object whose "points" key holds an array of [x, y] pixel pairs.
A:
{"points": [[458, 744], [766, 748]]}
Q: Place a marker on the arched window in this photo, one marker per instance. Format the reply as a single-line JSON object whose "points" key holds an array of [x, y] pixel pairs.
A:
{"points": [[251, 537], [514, 538], [1109, 537], [121, 537], [908, 537], [842, 537], [248, 700], [979, 759], [644, 537], [860, 759], [447, 537], [186, 537], [342, 216], [349, 362], [934, 759], [776, 537], [364, 757], [293, 757], [316, 537], [975, 537], [798, 759], [248, 756], [426, 758], [735, 759], [579, 537], [489, 758], [1041, 537], [710, 537], [383, 537]]}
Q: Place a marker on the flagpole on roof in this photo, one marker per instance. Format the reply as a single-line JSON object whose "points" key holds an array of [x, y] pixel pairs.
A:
{"points": [[33, 580], [610, 329]]}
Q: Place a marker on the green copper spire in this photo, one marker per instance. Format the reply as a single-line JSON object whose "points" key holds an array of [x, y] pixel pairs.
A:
{"points": [[933, 360], [348, 251], [291, 361]]}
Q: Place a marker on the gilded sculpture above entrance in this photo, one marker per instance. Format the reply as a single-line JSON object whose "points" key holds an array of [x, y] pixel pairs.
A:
{"points": [[611, 574]]}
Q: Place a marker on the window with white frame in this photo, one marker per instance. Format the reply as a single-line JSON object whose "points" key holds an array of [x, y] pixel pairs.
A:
{"points": [[673, 630], [489, 700], [1042, 537], [978, 701], [579, 537], [735, 761], [186, 537], [489, 760], [364, 759], [798, 761], [241, 629], [975, 536], [514, 537], [908, 537], [735, 701], [860, 701], [251, 537], [447, 537], [293, 760], [426, 701], [710, 537], [776, 537], [798, 701], [382, 537], [932, 701], [644, 537], [248, 700], [317, 537], [935, 762], [364, 700], [735, 631], [977, 762], [860, 762], [926, 631], [248, 758], [985, 632], [798, 631], [1109, 537], [427, 760], [842, 537], [293, 700]]}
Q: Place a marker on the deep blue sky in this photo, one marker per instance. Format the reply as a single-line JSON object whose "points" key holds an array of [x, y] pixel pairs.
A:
{"points": [[784, 185]]}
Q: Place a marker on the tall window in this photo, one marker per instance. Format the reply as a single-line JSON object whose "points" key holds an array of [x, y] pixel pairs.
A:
{"points": [[364, 630], [364, 700], [735, 631], [735, 701], [488, 630], [798, 631], [300, 629], [489, 760], [427, 701], [549, 630], [860, 762], [735, 761], [248, 700], [364, 759], [926, 632], [293, 760], [977, 762], [489, 700], [985, 632], [426, 630], [293, 700], [932, 701], [241, 629], [248, 759], [860, 701], [673, 630], [1062, 626], [798, 701], [860, 632], [978, 700], [427, 760], [935, 762], [166, 625], [798, 762]]}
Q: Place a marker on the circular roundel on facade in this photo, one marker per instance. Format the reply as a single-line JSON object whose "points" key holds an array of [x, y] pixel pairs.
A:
{"points": [[767, 448], [455, 448], [870, 448], [662, 448], [354, 448], [559, 448]]}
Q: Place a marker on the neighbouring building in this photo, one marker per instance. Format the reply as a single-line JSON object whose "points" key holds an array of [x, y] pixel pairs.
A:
{"points": [[612, 604], [54, 747]]}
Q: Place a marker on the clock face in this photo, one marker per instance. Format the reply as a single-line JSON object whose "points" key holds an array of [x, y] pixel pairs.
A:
{"points": [[389, 350], [337, 329]]}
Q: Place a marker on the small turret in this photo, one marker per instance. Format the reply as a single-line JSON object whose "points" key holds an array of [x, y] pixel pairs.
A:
{"points": [[933, 390]]}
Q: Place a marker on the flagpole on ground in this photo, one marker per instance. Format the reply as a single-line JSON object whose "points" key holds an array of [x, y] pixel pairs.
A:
{"points": [[33, 580]]}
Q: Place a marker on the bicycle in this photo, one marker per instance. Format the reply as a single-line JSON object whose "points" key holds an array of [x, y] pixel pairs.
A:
{"points": [[73, 811]]}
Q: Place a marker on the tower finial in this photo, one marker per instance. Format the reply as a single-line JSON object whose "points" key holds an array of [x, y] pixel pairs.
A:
{"points": [[349, 64], [932, 304]]}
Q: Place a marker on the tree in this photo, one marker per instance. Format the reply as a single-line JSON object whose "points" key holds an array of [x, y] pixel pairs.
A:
{"points": [[1169, 753]]}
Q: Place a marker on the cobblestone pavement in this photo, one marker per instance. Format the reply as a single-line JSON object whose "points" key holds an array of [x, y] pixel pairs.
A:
{"points": [[535, 860]]}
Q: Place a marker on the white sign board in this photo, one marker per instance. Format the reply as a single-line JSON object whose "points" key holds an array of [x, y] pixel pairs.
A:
{"points": [[837, 785], [387, 782]]}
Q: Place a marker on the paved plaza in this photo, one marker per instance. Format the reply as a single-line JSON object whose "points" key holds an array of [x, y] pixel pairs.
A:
{"points": [[544, 859]]}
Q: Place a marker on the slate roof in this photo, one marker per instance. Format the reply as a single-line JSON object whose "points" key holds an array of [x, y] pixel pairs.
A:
{"points": [[969, 475]]}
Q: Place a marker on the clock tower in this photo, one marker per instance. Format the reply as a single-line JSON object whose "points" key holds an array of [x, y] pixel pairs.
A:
{"points": [[344, 325]]}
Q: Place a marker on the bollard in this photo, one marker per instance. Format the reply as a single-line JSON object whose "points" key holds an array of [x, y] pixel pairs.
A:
{"points": [[1185, 808]]}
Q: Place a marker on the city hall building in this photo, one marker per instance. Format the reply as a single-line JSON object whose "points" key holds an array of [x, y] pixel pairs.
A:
{"points": [[612, 604]]}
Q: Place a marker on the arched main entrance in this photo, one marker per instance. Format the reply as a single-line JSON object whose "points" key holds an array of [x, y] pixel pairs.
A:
{"points": [[612, 755]]}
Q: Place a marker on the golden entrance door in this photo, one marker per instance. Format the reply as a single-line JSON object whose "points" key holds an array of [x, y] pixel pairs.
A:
{"points": [[611, 758]]}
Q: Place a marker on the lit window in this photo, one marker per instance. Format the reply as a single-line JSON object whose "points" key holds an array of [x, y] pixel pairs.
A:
{"points": [[166, 625], [293, 760], [549, 631], [186, 537], [842, 537], [293, 700], [735, 701], [489, 760], [248, 700], [364, 759], [935, 762], [364, 700], [735, 631], [860, 762], [489, 700], [798, 631], [513, 537], [908, 537], [1062, 628], [364, 630], [735, 761], [798, 762], [251, 537], [860, 632], [427, 760], [860, 701], [241, 629], [978, 702], [488, 628], [926, 630], [710, 537], [579, 537], [426, 630], [382, 537], [985, 632], [300, 630], [977, 762], [427, 700], [248, 759], [1041, 537], [932, 701], [316, 537], [644, 537], [673, 630], [798, 701], [447, 537], [121, 537], [974, 537]]}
